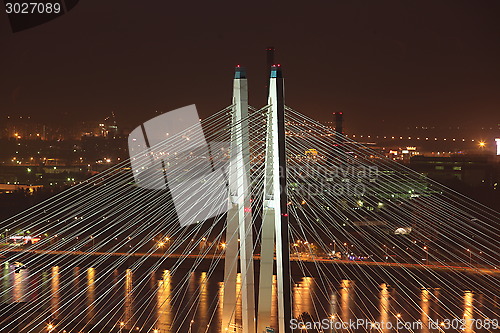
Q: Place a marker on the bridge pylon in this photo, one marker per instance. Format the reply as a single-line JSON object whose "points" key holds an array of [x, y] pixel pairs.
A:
{"points": [[239, 216], [275, 230]]}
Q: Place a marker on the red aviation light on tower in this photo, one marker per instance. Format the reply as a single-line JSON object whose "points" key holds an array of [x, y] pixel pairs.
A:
{"points": [[276, 71], [240, 72]]}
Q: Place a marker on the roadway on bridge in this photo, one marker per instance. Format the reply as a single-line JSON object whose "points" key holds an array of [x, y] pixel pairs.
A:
{"points": [[436, 266]]}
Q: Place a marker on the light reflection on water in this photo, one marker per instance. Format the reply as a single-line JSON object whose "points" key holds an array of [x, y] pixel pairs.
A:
{"points": [[18, 281], [204, 300], [54, 291], [163, 303], [303, 301], [83, 299], [385, 306], [127, 303], [425, 306], [90, 294], [346, 299], [468, 311]]}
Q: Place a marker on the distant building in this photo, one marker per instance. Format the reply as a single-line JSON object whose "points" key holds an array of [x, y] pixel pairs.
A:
{"points": [[10, 188], [472, 170], [339, 122]]}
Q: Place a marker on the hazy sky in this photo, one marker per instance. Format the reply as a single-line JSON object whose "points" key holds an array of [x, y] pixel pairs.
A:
{"points": [[382, 63]]}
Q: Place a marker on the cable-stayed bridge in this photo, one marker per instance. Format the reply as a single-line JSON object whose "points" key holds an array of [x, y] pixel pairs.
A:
{"points": [[252, 220]]}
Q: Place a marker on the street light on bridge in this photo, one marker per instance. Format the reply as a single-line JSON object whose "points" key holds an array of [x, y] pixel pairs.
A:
{"points": [[470, 256]]}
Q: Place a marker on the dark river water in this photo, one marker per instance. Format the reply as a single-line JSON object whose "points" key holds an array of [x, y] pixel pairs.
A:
{"points": [[88, 300]]}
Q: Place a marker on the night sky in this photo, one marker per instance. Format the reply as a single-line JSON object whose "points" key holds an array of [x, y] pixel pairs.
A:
{"points": [[383, 63]]}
